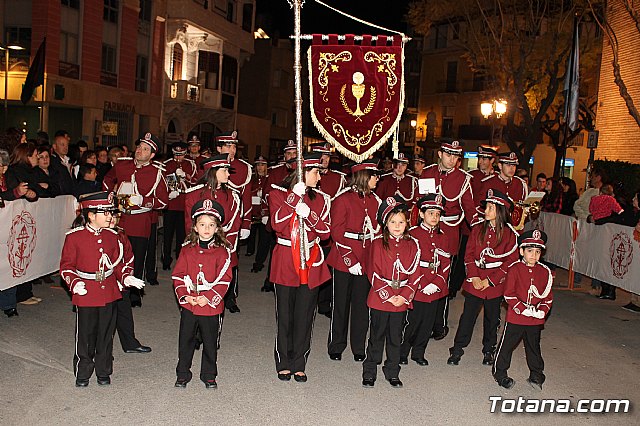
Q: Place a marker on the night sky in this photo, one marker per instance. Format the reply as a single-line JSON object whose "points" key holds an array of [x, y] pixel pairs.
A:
{"points": [[318, 19]]}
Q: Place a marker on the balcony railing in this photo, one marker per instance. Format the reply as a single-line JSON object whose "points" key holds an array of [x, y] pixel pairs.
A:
{"points": [[185, 91]]}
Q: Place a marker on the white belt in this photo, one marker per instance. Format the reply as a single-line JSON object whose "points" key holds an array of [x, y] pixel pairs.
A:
{"points": [[450, 218], [285, 242], [430, 265], [140, 210], [489, 265], [394, 284], [354, 236], [88, 276]]}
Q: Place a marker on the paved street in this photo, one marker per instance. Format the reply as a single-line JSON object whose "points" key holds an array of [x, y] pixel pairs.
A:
{"points": [[591, 349]]}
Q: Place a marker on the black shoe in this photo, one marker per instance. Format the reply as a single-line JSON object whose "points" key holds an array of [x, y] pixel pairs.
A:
{"points": [[488, 358], [535, 384], [335, 357], [454, 359], [257, 268], [82, 383], [368, 383], [631, 307], [608, 296], [358, 358], [249, 254], [285, 377], [300, 378], [267, 288], [506, 383], [166, 267], [181, 383], [13, 312], [137, 303], [439, 335], [233, 309], [395, 382], [325, 313], [104, 381], [139, 350], [211, 384], [421, 361], [404, 360], [153, 281]]}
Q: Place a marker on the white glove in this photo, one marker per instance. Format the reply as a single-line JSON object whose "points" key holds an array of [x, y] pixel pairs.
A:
{"points": [[132, 281], [356, 269], [303, 210], [173, 195], [136, 199], [539, 314], [430, 289], [299, 188], [79, 288], [528, 312], [265, 220], [244, 234], [188, 283], [181, 173]]}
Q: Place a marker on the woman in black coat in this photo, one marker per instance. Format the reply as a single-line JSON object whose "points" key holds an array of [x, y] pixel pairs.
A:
{"points": [[22, 169]]}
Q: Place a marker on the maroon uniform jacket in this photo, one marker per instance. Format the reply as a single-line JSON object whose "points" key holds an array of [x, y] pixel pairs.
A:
{"points": [[455, 187], [404, 186], [240, 179], [282, 204], [353, 228], [190, 170], [332, 182], [87, 251], [401, 263], [528, 286], [258, 206], [275, 176], [435, 262], [148, 180], [208, 268], [230, 202], [476, 184], [488, 259], [516, 189]]}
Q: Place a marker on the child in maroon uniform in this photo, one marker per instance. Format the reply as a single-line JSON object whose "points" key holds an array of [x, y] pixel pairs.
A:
{"points": [[201, 278], [394, 275], [527, 291]]}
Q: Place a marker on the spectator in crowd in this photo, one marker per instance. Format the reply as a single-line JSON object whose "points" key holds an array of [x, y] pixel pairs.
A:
{"points": [[524, 175], [634, 304], [87, 184], [61, 164], [581, 206], [87, 157], [569, 196], [11, 138], [103, 165], [125, 150], [604, 205], [43, 172], [6, 193], [114, 153], [22, 164], [42, 138], [552, 201], [82, 147], [541, 183]]}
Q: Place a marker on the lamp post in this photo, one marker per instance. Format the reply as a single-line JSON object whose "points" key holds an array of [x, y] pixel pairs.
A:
{"points": [[6, 75], [494, 109]]}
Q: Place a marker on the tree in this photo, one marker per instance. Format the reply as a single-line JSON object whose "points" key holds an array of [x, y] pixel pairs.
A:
{"points": [[521, 48]]}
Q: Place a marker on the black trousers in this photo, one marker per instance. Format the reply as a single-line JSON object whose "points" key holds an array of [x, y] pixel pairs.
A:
{"points": [[385, 331], [232, 292], [349, 297], [209, 328], [94, 341], [150, 267], [124, 322], [266, 243], [458, 273], [325, 290], [139, 246], [253, 237], [442, 314], [173, 225], [420, 322], [24, 291], [511, 337], [491, 322], [295, 314]]}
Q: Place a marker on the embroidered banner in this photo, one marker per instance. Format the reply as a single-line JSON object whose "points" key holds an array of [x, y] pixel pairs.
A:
{"points": [[357, 92]]}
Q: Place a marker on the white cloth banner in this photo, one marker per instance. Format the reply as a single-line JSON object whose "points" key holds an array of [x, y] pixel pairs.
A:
{"points": [[558, 230], [31, 238]]}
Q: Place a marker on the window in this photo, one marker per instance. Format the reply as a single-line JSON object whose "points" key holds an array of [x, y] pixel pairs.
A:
{"points": [[447, 127], [142, 71], [231, 6], [280, 79], [21, 37], [452, 76], [247, 17], [108, 58], [68, 47], [176, 62], [74, 4], [478, 82], [208, 69], [145, 10], [229, 81], [110, 11], [440, 36]]}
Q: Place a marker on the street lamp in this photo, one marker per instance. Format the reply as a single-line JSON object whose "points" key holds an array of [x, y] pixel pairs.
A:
{"points": [[6, 74], [494, 109]]}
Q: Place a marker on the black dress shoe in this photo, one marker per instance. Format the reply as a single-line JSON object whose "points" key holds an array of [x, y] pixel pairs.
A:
{"points": [[488, 358], [368, 383], [82, 383], [13, 312], [285, 377], [395, 382], [138, 350], [166, 267], [257, 268], [104, 381], [535, 384], [441, 334], [300, 378], [506, 383], [233, 309], [211, 384], [358, 358], [404, 361], [335, 357], [454, 360], [249, 254], [181, 383], [136, 303], [421, 361], [153, 281], [266, 288]]}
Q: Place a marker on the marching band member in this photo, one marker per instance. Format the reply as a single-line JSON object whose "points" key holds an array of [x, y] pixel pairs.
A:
{"points": [[353, 227], [491, 249], [195, 155], [92, 262], [259, 215], [214, 185], [296, 286], [398, 182], [434, 266], [201, 278], [506, 181], [394, 274], [528, 293], [180, 173]]}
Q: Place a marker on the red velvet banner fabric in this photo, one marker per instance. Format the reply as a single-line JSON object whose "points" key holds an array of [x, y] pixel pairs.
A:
{"points": [[357, 92]]}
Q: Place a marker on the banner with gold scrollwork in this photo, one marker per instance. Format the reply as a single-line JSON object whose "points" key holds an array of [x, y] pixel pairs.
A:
{"points": [[357, 91]]}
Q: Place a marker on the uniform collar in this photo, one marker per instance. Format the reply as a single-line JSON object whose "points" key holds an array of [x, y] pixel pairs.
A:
{"points": [[396, 239], [504, 180], [427, 228], [446, 172], [93, 230], [140, 165], [206, 244]]}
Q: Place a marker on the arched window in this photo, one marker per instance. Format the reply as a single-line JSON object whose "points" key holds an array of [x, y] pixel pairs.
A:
{"points": [[176, 62]]}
